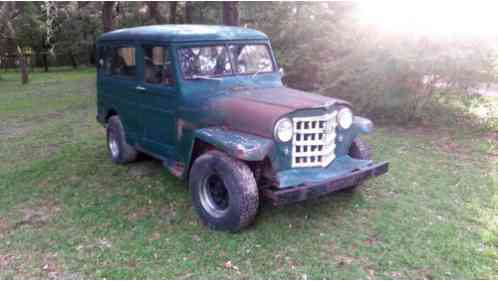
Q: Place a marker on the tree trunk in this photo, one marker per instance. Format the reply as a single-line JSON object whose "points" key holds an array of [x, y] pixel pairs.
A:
{"points": [[107, 8], [188, 11], [154, 13], [22, 65], [231, 13], [74, 61], [45, 61], [172, 12], [92, 55], [7, 9]]}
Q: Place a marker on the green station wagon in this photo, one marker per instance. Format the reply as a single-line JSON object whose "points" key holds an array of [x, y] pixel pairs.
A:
{"points": [[208, 101]]}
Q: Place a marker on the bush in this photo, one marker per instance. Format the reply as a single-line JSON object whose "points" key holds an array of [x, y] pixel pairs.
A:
{"points": [[390, 77]]}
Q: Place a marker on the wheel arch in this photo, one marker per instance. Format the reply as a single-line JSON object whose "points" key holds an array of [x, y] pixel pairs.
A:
{"points": [[245, 147], [110, 112]]}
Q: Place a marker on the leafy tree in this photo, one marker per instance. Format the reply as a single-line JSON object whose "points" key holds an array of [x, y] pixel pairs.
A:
{"points": [[12, 14]]}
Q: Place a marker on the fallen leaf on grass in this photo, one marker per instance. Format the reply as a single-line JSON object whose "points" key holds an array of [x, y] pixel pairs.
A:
{"points": [[371, 240], [50, 267], [396, 275], [5, 260], [344, 260], [228, 264], [370, 273], [103, 243]]}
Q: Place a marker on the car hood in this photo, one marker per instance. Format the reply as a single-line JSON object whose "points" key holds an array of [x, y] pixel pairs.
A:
{"points": [[255, 111]]}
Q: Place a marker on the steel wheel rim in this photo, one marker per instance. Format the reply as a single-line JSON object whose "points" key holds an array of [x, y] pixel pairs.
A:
{"points": [[113, 146], [214, 196]]}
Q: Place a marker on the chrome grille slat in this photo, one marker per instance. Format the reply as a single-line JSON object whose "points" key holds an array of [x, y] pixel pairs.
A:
{"points": [[313, 142]]}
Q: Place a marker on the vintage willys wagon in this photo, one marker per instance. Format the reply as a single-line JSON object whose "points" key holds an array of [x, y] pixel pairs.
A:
{"points": [[209, 102]]}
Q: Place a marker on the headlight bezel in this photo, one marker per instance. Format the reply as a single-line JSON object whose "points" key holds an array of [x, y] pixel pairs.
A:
{"points": [[345, 118], [278, 125]]}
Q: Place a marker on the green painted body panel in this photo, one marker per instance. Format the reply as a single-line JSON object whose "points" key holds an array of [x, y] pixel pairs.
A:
{"points": [[235, 113], [239, 145], [341, 166]]}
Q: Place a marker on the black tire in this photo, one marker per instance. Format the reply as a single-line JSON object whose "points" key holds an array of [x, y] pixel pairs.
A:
{"points": [[119, 150], [358, 150], [224, 191]]}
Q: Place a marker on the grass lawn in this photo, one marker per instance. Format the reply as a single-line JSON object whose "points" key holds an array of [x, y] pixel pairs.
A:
{"points": [[67, 212]]}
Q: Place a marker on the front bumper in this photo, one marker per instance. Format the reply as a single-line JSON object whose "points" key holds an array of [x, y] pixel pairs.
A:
{"points": [[315, 189]]}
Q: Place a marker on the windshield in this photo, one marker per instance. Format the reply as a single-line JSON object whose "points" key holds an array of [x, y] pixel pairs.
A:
{"points": [[219, 60]]}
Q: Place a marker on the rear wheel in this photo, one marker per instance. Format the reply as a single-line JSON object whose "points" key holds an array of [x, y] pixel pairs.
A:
{"points": [[224, 191], [119, 150], [358, 150]]}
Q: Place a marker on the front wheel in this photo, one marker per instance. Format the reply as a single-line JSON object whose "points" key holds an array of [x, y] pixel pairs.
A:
{"points": [[224, 191]]}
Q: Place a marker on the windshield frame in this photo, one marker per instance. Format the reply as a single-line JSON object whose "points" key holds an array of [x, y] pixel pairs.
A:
{"points": [[225, 44]]}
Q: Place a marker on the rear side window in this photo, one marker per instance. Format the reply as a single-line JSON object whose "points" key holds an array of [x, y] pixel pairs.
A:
{"points": [[157, 66], [120, 62]]}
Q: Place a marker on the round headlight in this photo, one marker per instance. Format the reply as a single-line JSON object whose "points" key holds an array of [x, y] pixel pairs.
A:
{"points": [[283, 130], [345, 118]]}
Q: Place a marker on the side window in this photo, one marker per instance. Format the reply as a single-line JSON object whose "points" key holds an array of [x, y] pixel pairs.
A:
{"points": [[120, 61], [104, 60], [157, 66], [107, 55]]}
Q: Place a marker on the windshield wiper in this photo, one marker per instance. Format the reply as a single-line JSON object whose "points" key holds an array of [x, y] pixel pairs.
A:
{"points": [[203, 77]]}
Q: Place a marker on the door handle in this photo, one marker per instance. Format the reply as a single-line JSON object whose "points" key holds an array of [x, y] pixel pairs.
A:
{"points": [[140, 88]]}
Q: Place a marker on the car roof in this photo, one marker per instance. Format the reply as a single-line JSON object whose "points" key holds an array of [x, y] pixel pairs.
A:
{"points": [[183, 33]]}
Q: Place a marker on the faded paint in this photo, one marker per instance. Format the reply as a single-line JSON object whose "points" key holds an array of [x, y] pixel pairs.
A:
{"points": [[238, 145], [341, 165], [236, 113]]}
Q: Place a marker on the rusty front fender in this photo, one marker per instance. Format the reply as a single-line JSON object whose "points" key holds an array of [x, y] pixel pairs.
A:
{"points": [[236, 144]]}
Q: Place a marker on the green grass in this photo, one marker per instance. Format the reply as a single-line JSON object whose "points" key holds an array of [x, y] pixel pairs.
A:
{"points": [[67, 212]]}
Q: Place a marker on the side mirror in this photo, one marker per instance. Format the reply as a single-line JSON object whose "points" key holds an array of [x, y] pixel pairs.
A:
{"points": [[282, 72]]}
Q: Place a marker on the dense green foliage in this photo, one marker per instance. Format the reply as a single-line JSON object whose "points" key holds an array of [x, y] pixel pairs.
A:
{"points": [[400, 77], [67, 212]]}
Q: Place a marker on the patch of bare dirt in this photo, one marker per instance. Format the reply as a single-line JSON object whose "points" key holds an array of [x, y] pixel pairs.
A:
{"points": [[15, 130], [168, 214], [372, 240], [54, 115], [284, 263], [139, 214], [50, 267], [38, 217], [145, 169], [449, 147], [492, 136], [52, 148], [3, 226], [54, 270], [5, 261]]}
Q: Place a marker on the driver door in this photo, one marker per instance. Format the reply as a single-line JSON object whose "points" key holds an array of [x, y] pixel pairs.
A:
{"points": [[159, 101]]}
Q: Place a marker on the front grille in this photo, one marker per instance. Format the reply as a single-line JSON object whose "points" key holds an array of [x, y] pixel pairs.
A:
{"points": [[313, 143]]}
